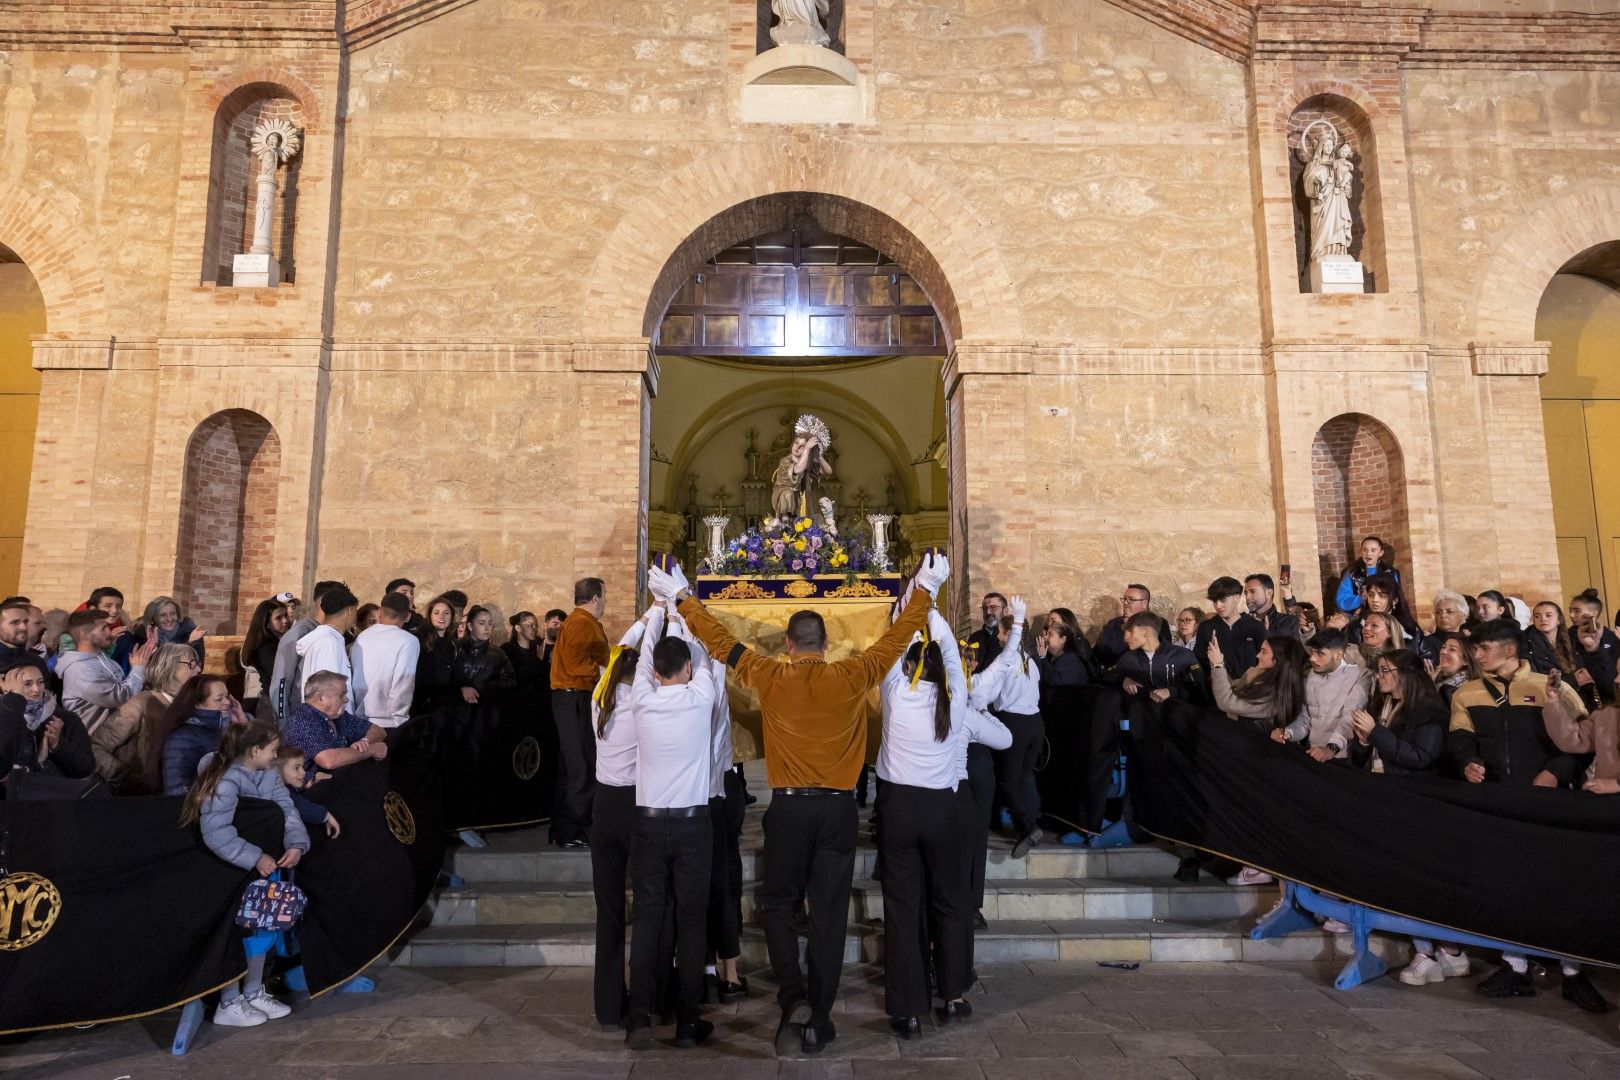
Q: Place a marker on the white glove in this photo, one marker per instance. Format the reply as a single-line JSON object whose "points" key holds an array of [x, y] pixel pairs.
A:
{"points": [[1019, 608], [932, 573], [677, 578], [661, 585]]}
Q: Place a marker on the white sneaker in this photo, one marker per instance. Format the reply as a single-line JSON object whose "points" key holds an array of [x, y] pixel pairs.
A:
{"points": [[1332, 926], [272, 1009], [472, 839], [1422, 971], [1250, 876], [1452, 965], [239, 1012]]}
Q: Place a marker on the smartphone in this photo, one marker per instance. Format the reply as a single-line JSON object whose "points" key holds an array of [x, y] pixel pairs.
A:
{"points": [[1287, 575]]}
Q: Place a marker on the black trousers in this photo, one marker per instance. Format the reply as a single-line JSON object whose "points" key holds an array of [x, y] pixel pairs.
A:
{"points": [[669, 861], [921, 845], [1016, 768], [1102, 754], [725, 871], [971, 804], [615, 816], [809, 852], [571, 812], [980, 790]]}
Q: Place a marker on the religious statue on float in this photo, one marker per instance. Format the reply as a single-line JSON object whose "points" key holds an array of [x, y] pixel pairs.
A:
{"points": [[794, 481], [1328, 182]]}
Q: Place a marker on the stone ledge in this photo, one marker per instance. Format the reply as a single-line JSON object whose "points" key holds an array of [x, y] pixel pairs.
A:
{"points": [[1509, 358], [73, 354], [801, 84]]}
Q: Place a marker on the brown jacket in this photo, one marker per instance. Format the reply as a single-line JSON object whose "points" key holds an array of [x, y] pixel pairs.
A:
{"points": [[580, 653], [814, 712], [120, 743]]}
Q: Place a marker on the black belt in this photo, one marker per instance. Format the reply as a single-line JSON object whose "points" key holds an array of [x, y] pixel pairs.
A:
{"points": [[673, 811], [810, 791]]}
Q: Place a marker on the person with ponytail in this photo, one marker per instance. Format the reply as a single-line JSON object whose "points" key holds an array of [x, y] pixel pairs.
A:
{"points": [[1011, 690], [924, 699], [245, 766], [614, 813]]}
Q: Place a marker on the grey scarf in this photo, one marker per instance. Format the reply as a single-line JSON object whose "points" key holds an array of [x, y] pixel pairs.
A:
{"points": [[35, 713]]}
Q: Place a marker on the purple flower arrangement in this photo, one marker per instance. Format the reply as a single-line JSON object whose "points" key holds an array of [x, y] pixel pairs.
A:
{"points": [[799, 547]]}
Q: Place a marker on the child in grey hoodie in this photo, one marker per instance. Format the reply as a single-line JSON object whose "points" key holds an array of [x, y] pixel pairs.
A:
{"points": [[245, 766]]}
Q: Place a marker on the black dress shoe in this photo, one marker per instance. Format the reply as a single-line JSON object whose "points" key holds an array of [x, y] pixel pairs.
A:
{"points": [[1187, 872], [790, 1032], [955, 1011], [817, 1034], [729, 992], [1579, 989], [1507, 983], [906, 1027], [689, 1035], [638, 1035], [980, 922]]}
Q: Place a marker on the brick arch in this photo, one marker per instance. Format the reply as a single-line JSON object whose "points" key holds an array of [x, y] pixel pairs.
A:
{"points": [[62, 258], [223, 89], [231, 173], [1358, 483], [1535, 249], [1359, 97], [870, 194], [225, 550]]}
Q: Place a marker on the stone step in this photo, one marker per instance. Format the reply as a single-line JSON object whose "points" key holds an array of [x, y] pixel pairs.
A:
{"points": [[525, 857], [515, 903], [1169, 940]]}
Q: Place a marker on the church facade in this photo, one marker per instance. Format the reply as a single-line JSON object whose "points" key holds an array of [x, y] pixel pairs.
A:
{"points": [[454, 371]]}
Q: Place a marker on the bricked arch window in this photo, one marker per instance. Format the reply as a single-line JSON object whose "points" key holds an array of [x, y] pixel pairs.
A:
{"points": [[227, 520], [1358, 479], [231, 173], [1366, 205]]}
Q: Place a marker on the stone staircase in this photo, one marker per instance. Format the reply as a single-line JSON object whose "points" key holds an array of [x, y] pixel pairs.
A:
{"points": [[527, 904]]}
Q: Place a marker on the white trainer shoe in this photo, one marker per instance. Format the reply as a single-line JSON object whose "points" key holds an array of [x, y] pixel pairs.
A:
{"points": [[1332, 926], [1452, 965], [1422, 971], [1250, 876], [239, 1012], [272, 1009]]}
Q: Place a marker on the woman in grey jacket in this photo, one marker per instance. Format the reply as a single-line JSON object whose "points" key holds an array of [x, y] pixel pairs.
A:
{"points": [[245, 767]]}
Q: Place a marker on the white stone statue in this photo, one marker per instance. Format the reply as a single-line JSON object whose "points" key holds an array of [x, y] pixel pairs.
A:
{"points": [[800, 22], [274, 142], [1329, 177]]}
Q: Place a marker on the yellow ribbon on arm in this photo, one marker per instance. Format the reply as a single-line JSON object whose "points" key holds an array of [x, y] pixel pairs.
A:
{"points": [[601, 690]]}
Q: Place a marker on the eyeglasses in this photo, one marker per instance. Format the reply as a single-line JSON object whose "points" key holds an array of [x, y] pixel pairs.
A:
{"points": [[1385, 671], [1133, 599], [192, 662]]}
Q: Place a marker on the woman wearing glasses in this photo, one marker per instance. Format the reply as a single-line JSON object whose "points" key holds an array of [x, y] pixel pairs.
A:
{"points": [[121, 743]]}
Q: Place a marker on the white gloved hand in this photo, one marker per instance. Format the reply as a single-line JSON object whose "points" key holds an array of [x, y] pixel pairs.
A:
{"points": [[660, 585], [932, 573], [677, 578], [1019, 608]]}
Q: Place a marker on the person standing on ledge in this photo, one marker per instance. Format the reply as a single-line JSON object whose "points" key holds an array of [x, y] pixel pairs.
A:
{"points": [[814, 715], [580, 656]]}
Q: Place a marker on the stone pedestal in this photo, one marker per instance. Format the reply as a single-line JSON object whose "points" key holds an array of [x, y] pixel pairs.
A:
{"points": [[1338, 273], [255, 272]]}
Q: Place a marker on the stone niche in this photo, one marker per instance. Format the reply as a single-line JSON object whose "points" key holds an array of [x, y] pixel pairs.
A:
{"points": [[802, 84]]}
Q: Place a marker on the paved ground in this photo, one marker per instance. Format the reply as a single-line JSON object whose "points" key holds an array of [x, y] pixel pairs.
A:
{"points": [[1033, 1021]]}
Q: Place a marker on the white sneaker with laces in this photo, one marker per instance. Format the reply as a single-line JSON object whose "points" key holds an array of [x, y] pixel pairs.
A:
{"points": [[1250, 876], [1422, 971], [238, 1012], [272, 1009], [1452, 965], [1334, 926]]}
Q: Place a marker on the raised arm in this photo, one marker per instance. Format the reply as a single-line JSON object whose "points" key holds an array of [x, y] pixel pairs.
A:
{"points": [[955, 679], [876, 660], [654, 626], [748, 665]]}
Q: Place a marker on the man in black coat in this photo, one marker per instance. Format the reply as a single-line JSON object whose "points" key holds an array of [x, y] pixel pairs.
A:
{"points": [[1239, 633], [1111, 642], [986, 640]]}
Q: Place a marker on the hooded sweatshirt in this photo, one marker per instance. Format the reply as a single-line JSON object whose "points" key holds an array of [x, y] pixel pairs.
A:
{"points": [[94, 686], [322, 649], [1329, 701], [286, 689]]}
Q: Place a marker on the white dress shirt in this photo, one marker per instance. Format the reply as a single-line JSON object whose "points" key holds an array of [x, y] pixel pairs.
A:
{"points": [[384, 661], [674, 734], [616, 748], [910, 754], [720, 753], [980, 727], [1010, 684]]}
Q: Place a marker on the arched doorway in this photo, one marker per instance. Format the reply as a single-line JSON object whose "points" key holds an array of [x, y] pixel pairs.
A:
{"points": [[1358, 480], [22, 315], [223, 560], [1579, 316], [787, 304]]}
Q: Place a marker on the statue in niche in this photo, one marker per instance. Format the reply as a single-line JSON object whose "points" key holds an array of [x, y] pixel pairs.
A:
{"points": [[1328, 180], [793, 482], [801, 22], [274, 142]]}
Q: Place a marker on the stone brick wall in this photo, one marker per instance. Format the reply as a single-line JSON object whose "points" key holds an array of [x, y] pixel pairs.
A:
{"points": [[1359, 484], [227, 521]]}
